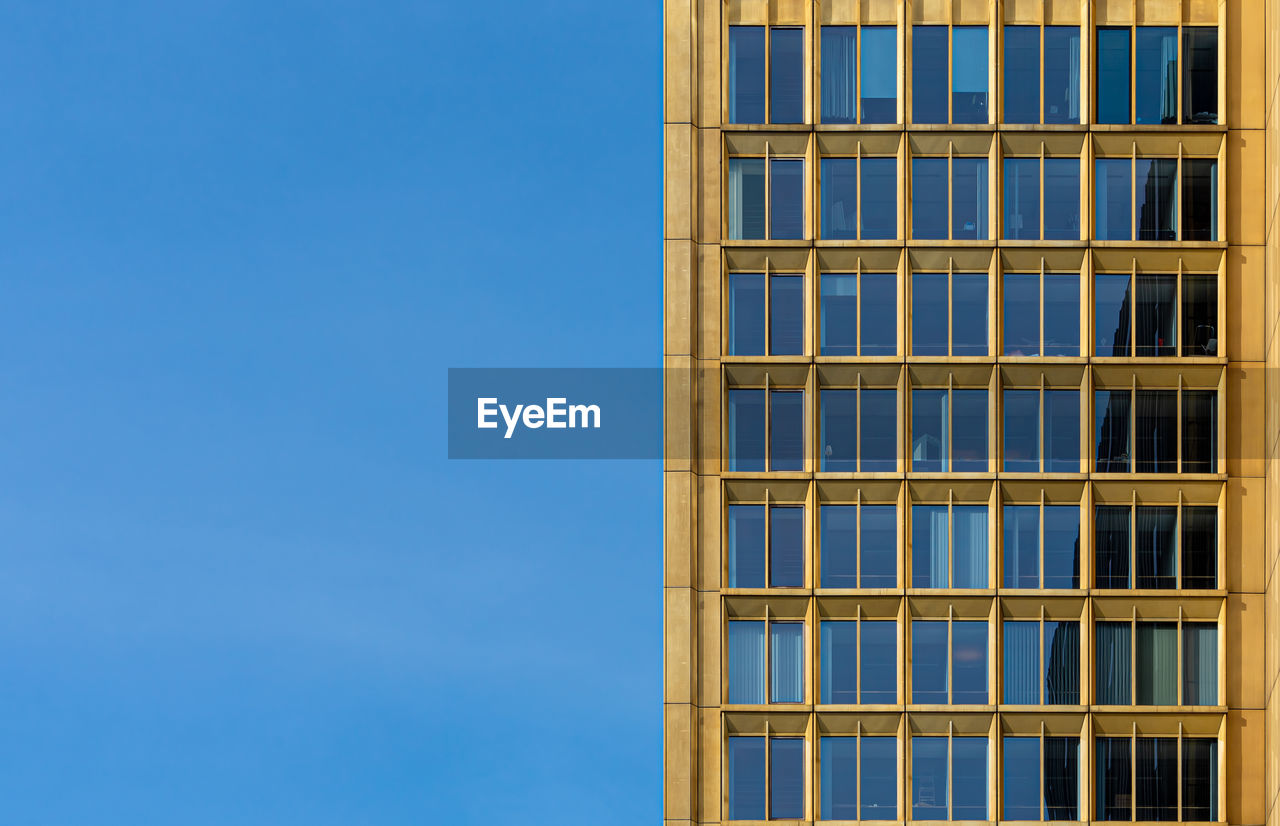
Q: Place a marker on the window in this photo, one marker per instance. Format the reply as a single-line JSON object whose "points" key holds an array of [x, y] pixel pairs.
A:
{"points": [[1154, 67], [1032, 679], [766, 546], [766, 775], [1155, 417], [1030, 760], [1061, 202], [859, 546], [955, 558], [948, 778], [1042, 431], [968, 65], [765, 423], [1199, 547], [1041, 314], [1025, 76], [859, 314], [766, 198], [859, 778], [843, 201], [949, 430], [1029, 563], [766, 661], [751, 48], [859, 429], [766, 314], [966, 198], [1151, 328], [1153, 562], [859, 648], [949, 314], [1139, 660], [859, 90], [1154, 763], [1140, 195], [959, 679]]}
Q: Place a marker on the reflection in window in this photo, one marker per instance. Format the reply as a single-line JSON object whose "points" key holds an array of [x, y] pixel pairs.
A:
{"points": [[1030, 679], [859, 430], [1155, 181], [969, 63], [766, 546], [1200, 74], [1153, 762], [937, 766], [1023, 317], [1024, 767], [859, 314], [1022, 196], [1199, 315], [955, 558], [1028, 435], [966, 198], [1113, 76], [840, 208], [1113, 204], [859, 546], [949, 443], [1153, 324], [1023, 552], [749, 214], [1156, 74], [964, 672], [1200, 664], [750, 316], [843, 658], [877, 100], [1022, 72], [953, 307], [1199, 199], [1199, 547], [1156, 423]]}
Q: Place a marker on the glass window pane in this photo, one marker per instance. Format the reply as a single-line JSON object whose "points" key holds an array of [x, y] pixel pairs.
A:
{"points": [[969, 62], [746, 546], [786, 430], [839, 788], [1111, 538], [839, 336], [786, 216], [879, 784], [1199, 199], [1199, 547], [839, 197], [1199, 779], [1156, 423], [1021, 74], [786, 55], [746, 198], [1156, 773], [839, 538], [1022, 778], [969, 663], [969, 436], [1062, 546], [929, 662], [786, 546], [879, 94], [1062, 199], [1061, 74], [1021, 314], [1113, 76], [1156, 547], [1199, 315], [839, 74], [929, 74], [1062, 663], [879, 198], [1113, 205], [786, 777], [1199, 74], [1062, 778], [1199, 431], [879, 314], [929, 557], [929, 198], [969, 546], [786, 315], [1200, 664], [1112, 666], [929, 314], [969, 314], [929, 778], [1021, 664], [746, 778], [1114, 779], [879, 546], [1061, 314], [746, 314], [746, 74], [1156, 180], [746, 429], [1111, 412], [1062, 431], [1156, 76], [929, 446], [879, 664], [969, 198], [839, 430], [746, 661], [1021, 546], [1111, 314], [1022, 431], [839, 662], [1156, 315], [786, 660], [1156, 663], [879, 431], [1022, 197], [969, 778]]}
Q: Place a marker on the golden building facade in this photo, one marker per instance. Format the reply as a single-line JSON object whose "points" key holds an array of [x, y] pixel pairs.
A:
{"points": [[939, 287]]}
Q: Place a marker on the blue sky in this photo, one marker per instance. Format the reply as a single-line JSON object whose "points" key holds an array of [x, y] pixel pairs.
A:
{"points": [[240, 243]]}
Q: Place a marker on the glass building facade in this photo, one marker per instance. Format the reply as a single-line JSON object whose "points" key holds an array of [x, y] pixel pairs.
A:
{"points": [[969, 430]]}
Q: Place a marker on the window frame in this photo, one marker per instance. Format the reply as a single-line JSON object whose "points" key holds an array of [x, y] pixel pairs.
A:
{"points": [[1041, 735], [1080, 70], [1180, 230], [1181, 118], [858, 504], [860, 233], [858, 273], [767, 791], [950, 274], [1179, 544], [822, 656], [989, 210], [769, 29], [1180, 664], [1042, 441], [769, 507], [859, 119], [1040, 506], [768, 157], [859, 432], [1180, 738], [949, 621], [948, 461], [1047, 614], [769, 389], [1180, 412], [768, 274], [908, 67], [1044, 155], [768, 619]]}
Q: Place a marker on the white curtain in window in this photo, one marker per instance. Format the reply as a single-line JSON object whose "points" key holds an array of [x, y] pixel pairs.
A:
{"points": [[1113, 663], [746, 662], [735, 197], [1200, 664], [937, 549], [970, 548], [787, 680], [1022, 663], [1073, 79], [1157, 663]]}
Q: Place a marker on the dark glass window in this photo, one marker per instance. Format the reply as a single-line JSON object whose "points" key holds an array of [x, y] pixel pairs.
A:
{"points": [[1022, 74], [969, 197], [879, 781], [786, 546], [962, 447], [1113, 205], [747, 426], [749, 553], [1199, 315], [878, 98], [1155, 180], [929, 198], [929, 662], [928, 74], [748, 214], [1062, 199], [1061, 546], [786, 315], [746, 429], [930, 448], [1199, 779], [1114, 770], [1062, 663], [1062, 431], [839, 198], [747, 550], [963, 772], [1111, 314], [1021, 314], [1022, 777], [1022, 195], [1199, 199], [879, 662], [1113, 76], [839, 315], [747, 777], [786, 430], [1199, 431], [1156, 74], [878, 431], [839, 662], [839, 775], [842, 785], [1030, 679], [969, 664], [930, 556], [746, 314], [879, 92], [1156, 426], [1199, 547], [842, 319], [969, 62], [841, 549], [1022, 431], [1156, 547], [1199, 74], [969, 314], [746, 198], [1061, 74], [839, 430], [1156, 772], [746, 74], [839, 543], [1021, 546], [786, 80], [786, 777], [961, 552], [786, 662], [1111, 546], [859, 430], [1062, 778], [1156, 317], [786, 211], [1061, 314], [1156, 663], [969, 431], [879, 208], [929, 314], [1021, 663], [1153, 762], [839, 74], [969, 777], [1200, 664], [1111, 414], [930, 779], [1112, 664], [748, 661]]}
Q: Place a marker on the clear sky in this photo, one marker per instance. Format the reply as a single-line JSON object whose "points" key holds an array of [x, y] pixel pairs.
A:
{"points": [[240, 243]]}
